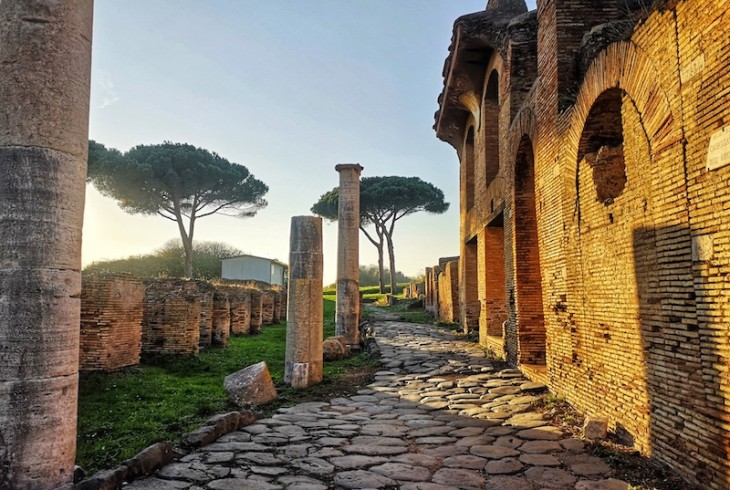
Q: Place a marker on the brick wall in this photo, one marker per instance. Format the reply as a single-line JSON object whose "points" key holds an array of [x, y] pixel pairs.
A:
{"points": [[111, 322], [448, 290], [171, 320], [603, 241]]}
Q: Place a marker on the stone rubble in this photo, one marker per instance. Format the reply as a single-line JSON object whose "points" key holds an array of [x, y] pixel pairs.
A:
{"points": [[437, 416]]}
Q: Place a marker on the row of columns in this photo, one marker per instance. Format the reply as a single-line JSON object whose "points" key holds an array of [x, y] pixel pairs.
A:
{"points": [[303, 360]]}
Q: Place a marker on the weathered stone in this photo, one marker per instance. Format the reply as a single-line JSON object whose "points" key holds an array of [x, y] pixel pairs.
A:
{"points": [[540, 447], [105, 480], [304, 357], [547, 433], [334, 349], [459, 478], [610, 484], [494, 452], [356, 461], [347, 315], [250, 386], [540, 460], [363, 479], [465, 461], [595, 428], [506, 466], [573, 445], [549, 477], [149, 459], [402, 471], [241, 484], [508, 483]]}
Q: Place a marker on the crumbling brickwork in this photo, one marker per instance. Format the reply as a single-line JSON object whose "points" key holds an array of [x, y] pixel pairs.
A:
{"points": [[597, 252], [448, 289], [171, 321], [111, 322]]}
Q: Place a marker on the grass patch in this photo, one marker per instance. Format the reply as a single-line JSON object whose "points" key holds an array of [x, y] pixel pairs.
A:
{"points": [[121, 413]]}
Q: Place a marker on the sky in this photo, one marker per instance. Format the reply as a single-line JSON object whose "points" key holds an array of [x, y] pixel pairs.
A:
{"points": [[288, 88]]}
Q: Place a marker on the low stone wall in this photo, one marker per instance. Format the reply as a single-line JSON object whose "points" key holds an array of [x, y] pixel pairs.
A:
{"points": [[172, 316], [122, 317], [240, 301], [111, 321], [267, 307], [256, 313], [221, 325]]}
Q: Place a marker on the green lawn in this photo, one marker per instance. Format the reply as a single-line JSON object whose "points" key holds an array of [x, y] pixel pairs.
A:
{"points": [[122, 413]]}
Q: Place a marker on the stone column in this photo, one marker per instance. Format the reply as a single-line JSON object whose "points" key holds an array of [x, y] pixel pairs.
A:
{"points": [[304, 327], [348, 254], [45, 64]]}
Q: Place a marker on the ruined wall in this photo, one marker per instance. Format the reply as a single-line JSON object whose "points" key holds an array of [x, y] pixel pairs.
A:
{"points": [[111, 322], [221, 324], [267, 307], [612, 265], [171, 320], [448, 289]]}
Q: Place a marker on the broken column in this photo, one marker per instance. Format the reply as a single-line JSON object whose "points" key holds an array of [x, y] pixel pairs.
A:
{"points": [[348, 261], [303, 363], [45, 65]]}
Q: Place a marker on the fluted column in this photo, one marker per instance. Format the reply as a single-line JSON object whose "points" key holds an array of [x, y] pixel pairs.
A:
{"points": [[45, 63], [303, 361], [348, 258]]}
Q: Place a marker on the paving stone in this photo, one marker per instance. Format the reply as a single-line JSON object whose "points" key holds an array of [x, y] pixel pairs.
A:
{"points": [[219, 457], [182, 471], [549, 477], [465, 461], [610, 484], [540, 447], [494, 452], [268, 470], [459, 478], [425, 486], [363, 479], [573, 445], [299, 482], [374, 450], [545, 433], [508, 441], [157, 484], [527, 420], [241, 484], [357, 461], [540, 460], [402, 471], [379, 441], [532, 386], [315, 466], [508, 483], [259, 458], [506, 466]]}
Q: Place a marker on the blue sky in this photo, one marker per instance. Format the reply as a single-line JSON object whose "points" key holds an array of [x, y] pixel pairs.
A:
{"points": [[287, 88]]}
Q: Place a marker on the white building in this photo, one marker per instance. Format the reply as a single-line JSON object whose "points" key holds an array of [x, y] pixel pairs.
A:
{"points": [[250, 267]]}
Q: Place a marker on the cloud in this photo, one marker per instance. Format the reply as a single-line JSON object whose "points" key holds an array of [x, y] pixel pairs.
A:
{"points": [[105, 86]]}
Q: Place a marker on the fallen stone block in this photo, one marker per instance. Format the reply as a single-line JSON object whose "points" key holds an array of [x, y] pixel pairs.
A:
{"points": [[595, 428], [334, 348], [105, 480], [149, 459], [250, 386]]}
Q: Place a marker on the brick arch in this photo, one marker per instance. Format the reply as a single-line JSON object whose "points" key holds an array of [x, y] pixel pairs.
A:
{"points": [[491, 101], [622, 65], [525, 124]]}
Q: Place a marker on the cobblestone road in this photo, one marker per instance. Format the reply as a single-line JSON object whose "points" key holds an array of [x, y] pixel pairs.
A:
{"points": [[437, 416]]}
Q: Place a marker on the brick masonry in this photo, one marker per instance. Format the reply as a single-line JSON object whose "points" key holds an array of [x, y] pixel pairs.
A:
{"points": [[111, 322], [596, 254]]}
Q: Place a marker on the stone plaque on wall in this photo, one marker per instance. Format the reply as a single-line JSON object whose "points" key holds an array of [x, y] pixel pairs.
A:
{"points": [[718, 153]]}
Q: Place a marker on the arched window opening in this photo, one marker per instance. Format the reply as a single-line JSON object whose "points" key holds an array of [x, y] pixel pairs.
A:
{"points": [[602, 146]]}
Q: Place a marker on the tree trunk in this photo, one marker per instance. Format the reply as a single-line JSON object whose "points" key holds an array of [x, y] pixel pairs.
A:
{"points": [[391, 257], [45, 66], [381, 272]]}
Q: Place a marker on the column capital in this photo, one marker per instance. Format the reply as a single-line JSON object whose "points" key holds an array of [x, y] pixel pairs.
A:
{"points": [[349, 166]]}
